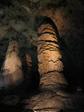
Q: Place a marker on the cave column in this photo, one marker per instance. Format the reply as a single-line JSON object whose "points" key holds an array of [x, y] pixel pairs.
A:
{"points": [[50, 65]]}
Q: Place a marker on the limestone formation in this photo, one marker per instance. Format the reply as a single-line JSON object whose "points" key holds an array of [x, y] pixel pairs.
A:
{"points": [[50, 65], [12, 66]]}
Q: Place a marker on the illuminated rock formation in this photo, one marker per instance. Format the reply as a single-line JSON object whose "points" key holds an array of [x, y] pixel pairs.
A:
{"points": [[50, 65], [12, 67]]}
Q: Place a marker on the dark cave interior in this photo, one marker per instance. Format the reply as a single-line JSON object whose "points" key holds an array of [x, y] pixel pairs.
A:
{"points": [[19, 21]]}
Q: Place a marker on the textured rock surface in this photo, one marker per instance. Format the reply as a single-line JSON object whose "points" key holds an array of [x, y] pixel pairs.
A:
{"points": [[50, 66]]}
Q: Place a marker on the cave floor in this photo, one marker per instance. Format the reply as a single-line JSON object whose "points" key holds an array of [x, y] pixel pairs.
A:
{"points": [[15, 103]]}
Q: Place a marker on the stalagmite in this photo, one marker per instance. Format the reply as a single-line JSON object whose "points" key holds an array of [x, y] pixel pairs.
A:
{"points": [[50, 65], [28, 61], [32, 76], [12, 66]]}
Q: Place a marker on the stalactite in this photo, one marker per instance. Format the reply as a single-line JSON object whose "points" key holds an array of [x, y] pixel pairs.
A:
{"points": [[12, 66], [50, 65]]}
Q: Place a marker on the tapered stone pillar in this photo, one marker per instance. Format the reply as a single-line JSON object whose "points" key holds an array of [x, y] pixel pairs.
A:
{"points": [[12, 66], [50, 65]]}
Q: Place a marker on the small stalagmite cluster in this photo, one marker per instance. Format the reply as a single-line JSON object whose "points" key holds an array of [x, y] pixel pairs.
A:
{"points": [[12, 66]]}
